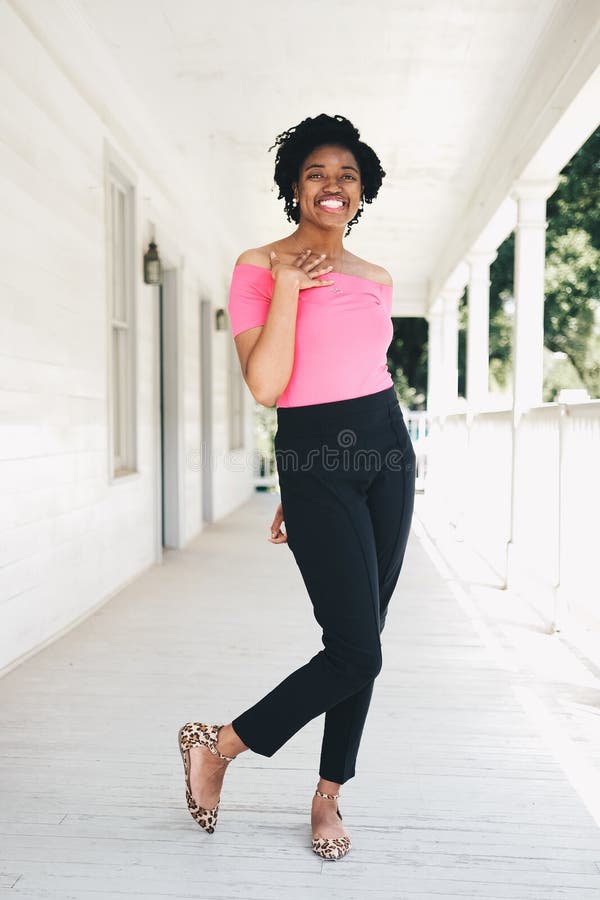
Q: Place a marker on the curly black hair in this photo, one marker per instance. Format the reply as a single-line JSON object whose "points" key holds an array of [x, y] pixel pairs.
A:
{"points": [[298, 142]]}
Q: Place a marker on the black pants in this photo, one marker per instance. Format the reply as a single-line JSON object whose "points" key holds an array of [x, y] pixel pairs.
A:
{"points": [[347, 477]]}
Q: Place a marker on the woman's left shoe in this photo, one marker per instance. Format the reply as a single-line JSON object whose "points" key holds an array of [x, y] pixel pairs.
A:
{"points": [[331, 848], [196, 734]]}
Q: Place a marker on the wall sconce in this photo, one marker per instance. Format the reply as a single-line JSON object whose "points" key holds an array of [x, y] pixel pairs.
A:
{"points": [[220, 320], [152, 266]]}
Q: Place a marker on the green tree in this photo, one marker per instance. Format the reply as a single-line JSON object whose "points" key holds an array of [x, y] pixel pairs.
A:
{"points": [[407, 360], [572, 288], [572, 279], [576, 201], [501, 314], [572, 305]]}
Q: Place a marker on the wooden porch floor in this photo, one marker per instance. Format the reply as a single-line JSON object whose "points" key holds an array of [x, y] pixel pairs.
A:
{"points": [[458, 792]]}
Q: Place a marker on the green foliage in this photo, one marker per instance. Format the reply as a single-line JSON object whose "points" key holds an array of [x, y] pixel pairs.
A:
{"points": [[559, 373], [572, 304], [462, 344], [572, 283], [501, 315], [592, 365], [572, 286], [407, 361], [576, 201]]}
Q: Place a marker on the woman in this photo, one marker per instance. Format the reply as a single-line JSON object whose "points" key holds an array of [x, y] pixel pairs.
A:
{"points": [[312, 324]]}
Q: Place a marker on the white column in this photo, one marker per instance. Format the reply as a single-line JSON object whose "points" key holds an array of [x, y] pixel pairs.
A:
{"points": [[449, 298], [478, 326], [528, 334], [435, 364]]}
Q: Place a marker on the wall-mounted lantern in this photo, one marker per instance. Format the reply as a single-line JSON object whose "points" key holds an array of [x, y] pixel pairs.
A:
{"points": [[220, 320], [152, 266]]}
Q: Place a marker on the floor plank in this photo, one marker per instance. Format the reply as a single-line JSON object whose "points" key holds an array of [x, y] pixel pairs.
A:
{"points": [[457, 793]]}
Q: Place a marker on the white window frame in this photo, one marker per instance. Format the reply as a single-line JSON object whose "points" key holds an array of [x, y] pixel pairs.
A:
{"points": [[121, 313], [236, 398]]}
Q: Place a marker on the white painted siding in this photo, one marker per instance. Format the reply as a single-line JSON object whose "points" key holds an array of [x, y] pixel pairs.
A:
{"points": [[69, 536]]}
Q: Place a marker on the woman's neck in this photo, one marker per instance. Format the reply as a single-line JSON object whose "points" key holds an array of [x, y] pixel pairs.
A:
{"points": [[320, 241]]}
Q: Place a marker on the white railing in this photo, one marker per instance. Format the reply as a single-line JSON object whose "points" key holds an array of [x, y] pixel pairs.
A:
{"points": [[527, 498], [417, 423], [536, 494], [488, 490], [264, 470], [419, 426], [579, 531]]}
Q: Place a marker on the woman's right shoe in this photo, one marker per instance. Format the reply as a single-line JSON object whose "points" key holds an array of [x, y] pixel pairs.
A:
{"points": [[197, 734], [331, 848]]}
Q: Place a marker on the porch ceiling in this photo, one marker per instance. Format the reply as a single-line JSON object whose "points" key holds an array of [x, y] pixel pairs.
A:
{"points": [[431, 85]]}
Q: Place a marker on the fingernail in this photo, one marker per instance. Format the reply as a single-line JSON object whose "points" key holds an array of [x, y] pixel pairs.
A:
{"points": [[271, 253]]}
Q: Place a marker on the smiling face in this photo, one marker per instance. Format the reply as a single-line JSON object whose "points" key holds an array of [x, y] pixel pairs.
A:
{"points": [[329, 187]]}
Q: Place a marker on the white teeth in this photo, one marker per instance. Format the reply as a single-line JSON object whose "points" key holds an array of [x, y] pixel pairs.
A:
{"points": [[334, 204]]}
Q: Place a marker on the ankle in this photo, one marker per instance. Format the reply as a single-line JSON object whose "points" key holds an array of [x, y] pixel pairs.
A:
{"points": [[328, 787], [229, 743]]}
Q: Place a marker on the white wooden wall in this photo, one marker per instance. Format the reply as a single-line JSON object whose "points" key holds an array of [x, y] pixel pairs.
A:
{"points": [[69, 538]]}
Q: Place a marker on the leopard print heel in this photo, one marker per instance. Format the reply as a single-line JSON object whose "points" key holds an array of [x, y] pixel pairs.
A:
{"points": [[195, 734], [331, 848]]}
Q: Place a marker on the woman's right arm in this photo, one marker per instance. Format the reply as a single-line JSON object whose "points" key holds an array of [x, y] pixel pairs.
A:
{"points": [[266, 352]]}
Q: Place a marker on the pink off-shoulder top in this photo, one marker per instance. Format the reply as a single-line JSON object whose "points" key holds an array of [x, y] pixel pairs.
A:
{"points": [[343, 331]]}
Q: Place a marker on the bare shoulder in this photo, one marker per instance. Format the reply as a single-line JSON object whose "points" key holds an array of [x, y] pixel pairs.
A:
{"points": [[378, 273], [373, 272], [256, 256]]}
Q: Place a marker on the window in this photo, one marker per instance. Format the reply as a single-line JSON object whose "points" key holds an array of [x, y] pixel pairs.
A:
{"points": [[236, 398], [121, 312]]}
